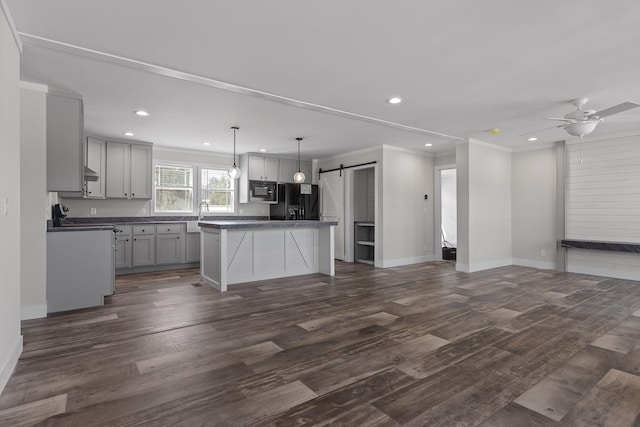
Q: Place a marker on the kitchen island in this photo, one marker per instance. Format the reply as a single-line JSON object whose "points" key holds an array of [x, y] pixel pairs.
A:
{"points": [[245, 251]]}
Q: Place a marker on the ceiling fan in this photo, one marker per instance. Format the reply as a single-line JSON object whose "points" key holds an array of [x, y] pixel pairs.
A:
{"points": [[582, 122]]}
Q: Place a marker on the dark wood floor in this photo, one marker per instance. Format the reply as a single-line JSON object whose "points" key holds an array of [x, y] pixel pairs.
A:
{"points": [[416, 345]]}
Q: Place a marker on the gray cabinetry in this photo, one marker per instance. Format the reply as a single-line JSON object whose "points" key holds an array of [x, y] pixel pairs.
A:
{"points": [[170, 244], [65, 154], [129, 174], [124, 246], [144, 245], [364, 248], [262, 168], [288, 167], [96, 160], [192, 252], [82, 273], [118, 176]]}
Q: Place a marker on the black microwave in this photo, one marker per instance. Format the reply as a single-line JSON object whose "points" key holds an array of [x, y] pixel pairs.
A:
{"points": [[263, 192]]}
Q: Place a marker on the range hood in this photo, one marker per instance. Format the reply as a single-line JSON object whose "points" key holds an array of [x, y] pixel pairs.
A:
{"points": [[90, 174]]}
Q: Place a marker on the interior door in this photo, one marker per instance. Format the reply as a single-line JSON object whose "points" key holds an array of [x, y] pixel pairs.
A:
{"points": [[332, 207]]}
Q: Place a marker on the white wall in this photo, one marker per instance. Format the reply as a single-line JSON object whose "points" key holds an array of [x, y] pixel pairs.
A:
{"points": [[408, 224], [462, 191], [534, 208], [34, 197], [141, 208], [486, 187], [444, 159], [10, 338]]}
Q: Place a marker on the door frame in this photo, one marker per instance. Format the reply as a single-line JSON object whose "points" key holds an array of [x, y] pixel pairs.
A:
{"points": [[437, 207], [349, 207]]}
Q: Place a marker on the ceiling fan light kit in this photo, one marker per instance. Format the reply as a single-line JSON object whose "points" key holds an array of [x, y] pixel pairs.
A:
{"points": [[582, 122]]}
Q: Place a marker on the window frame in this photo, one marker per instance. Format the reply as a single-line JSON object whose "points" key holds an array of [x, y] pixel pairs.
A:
{"points": [[197, 176]]}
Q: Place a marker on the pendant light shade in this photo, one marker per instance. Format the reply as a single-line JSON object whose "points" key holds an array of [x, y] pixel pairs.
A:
{"points": [[298, 177], [235, 171]]}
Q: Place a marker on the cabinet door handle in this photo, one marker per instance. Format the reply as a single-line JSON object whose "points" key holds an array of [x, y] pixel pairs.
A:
{"points": [[133, 194], [127, 240], [135, 240], [125, 194], [168, 229], [178, 237], [143, 230]]}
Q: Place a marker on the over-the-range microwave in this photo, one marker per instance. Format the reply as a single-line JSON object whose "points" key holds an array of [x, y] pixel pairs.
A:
{"points": [[263, 192]]}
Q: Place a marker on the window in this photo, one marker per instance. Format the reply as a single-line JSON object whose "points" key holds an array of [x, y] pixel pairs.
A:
{"points": [[173, 189], [217, 189]]}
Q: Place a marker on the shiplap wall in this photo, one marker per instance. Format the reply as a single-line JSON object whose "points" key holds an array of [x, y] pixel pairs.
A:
{"points": [[603, 203]]}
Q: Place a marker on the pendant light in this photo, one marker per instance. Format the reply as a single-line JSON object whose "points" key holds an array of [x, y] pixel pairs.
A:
{"points": [[298, 177], [235, 171]]}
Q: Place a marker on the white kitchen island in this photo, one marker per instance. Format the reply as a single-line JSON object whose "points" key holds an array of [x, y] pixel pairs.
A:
{"points": [[245, 251]]}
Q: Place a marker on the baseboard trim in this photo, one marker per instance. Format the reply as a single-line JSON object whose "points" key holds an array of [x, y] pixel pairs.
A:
{"points": [[544, 265], [481, 266], [33, 311], [10, 364], [406, 261]]}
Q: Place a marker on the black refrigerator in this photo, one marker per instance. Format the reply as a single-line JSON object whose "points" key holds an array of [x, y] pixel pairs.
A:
{"points": [[296, 202]]}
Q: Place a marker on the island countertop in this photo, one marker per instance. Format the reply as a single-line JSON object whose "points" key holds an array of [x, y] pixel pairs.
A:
{"points": [[244, 224]]}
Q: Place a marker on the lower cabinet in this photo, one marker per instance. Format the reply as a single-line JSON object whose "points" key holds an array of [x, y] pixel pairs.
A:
{"points": [[124, 245], [144, 250], [150, 245], [192, 253], [169, 249]]}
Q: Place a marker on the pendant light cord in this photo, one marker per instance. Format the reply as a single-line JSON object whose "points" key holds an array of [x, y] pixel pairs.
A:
{"points": [[299, 139], [235, 128]]}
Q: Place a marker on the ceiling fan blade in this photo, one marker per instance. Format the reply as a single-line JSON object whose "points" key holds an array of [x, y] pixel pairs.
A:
{"points": [[614, 110], [561, 119]]}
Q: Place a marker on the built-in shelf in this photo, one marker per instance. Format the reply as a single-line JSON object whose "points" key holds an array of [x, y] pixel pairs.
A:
{"points": [[364, 249]]}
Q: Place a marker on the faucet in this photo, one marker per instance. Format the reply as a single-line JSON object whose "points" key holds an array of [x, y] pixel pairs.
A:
{"points": [[200, 214]]}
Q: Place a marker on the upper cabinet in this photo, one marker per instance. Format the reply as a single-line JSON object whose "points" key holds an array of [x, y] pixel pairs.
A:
{"points": [[96, 160], [288, 167], [260, 168], [129, 174], [65, 154]]}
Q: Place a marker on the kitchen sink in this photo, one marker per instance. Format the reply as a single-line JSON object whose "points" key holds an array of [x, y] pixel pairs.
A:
{"points": [[193, 227]]}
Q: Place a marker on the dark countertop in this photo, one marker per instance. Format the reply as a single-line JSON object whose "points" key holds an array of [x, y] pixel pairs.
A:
{"points": [[108, 223], [601, 246], [225, 225], [81, 227]]}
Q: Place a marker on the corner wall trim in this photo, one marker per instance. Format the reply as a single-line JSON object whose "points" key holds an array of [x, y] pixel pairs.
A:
{"points": [[12, 25], [6, 369], [33, 311]]}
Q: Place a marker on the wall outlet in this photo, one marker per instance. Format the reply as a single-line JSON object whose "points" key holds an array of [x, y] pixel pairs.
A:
{"points": [[93, 211], [543, 252]]}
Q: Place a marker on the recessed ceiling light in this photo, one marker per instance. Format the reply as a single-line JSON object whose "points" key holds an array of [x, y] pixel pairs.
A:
{"points": [[263, 150], [533, 138], [141, 113], [394, 100], [128, 133], [428, 145], [206, 143]]}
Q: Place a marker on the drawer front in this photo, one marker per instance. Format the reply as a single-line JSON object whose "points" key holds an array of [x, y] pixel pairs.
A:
{"points": [[123, 230], [169, 228], [144, 229]]}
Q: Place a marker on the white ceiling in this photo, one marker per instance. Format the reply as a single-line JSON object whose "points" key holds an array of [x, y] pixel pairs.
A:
{"points": [[462, 68]]}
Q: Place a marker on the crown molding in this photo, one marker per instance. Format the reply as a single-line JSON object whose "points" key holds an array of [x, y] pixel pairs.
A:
{"points": [[34, 86], [406, 150], [12, 25]]}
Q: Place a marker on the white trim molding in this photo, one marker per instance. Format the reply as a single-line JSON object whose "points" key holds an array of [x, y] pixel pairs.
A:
{"points": [[533, 263], [405, 261], [487, 265], [7, 367], [33, 311], [34, 86], [12, 25]]}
